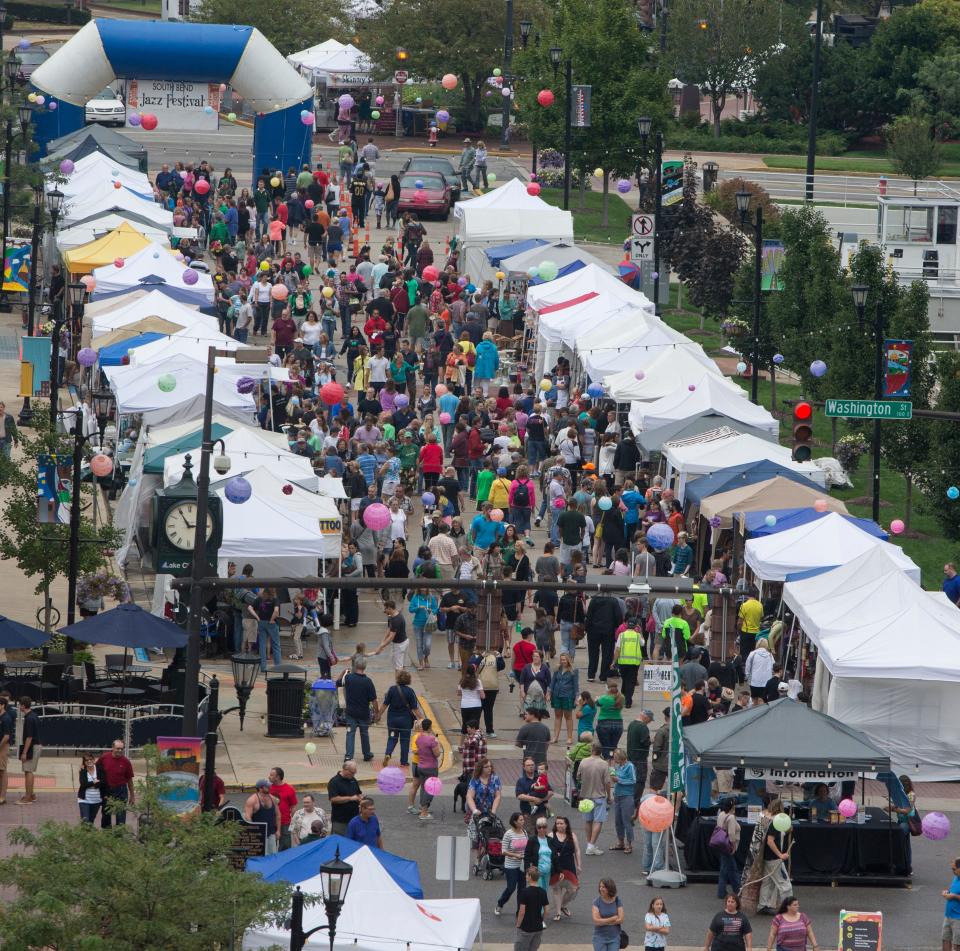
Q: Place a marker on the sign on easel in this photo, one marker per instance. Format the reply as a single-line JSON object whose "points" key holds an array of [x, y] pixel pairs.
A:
{"points": [[861, 931], [453, 859]]}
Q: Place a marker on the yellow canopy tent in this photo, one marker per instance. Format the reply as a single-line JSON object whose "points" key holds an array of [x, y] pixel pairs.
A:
{"points": [[123, 241], [147, 325], [775, 493]]}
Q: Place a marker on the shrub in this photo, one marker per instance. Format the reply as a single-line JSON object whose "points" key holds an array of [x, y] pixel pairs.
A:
{"points": [[849, 450], [43, 13], [723, 200]]}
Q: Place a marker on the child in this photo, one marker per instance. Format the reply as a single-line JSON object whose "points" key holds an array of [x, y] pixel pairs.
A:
{"points": [[379, 202], [297, 624], [484, 481], [578, 568], [541, 785], [584, 711]]}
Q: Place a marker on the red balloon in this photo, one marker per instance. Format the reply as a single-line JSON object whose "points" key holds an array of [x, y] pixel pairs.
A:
{"points": [[116, 185], [533, 188], [430, 273], [545, 97], [331, 393], [118, 262], [201, 186], [148, 121]]}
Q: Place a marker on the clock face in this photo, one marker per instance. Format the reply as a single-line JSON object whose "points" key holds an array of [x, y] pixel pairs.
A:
{"points": [[180, 525]]}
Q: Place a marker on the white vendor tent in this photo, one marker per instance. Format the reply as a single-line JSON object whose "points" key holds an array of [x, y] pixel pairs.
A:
{"points": [[504, 215], [724, 447], [94, 228], [823, 543], [685, 412], [110, 314], [342, 60], [379, 916], [661, 372], [561, 253], [154, 265], [580, 286], [93, 170], [907, 701], [192, 341], [104, 198]]}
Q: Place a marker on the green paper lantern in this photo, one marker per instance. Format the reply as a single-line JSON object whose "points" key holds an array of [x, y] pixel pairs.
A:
{"points": [[167, 383]]}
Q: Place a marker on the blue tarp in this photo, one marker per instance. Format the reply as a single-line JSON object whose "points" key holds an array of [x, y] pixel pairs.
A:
{"points": [[303, 862], [503, 251], [734, 477], [112, 355], [566, 269], [153, 457], [790, 518]]}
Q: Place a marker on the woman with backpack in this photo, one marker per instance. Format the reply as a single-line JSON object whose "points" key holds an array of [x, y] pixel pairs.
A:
{"points": [[726, 846], [522, 500]]}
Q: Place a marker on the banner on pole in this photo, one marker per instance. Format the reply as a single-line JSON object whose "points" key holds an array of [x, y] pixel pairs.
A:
{"points": [[896, 373], [580, 107], [677, 759], [16, 270], [54, 488]]}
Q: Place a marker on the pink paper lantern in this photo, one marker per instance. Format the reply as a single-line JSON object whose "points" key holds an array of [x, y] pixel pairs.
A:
{"points": [[66, 167], [390, 780], [380, 100], [533, 188], [89, 282], [201, 186], [496, 515], [101, 465], [897, 526], [935, 825], [148, 121], [559, 504], [691, 387], [445, 419], [639, 375], [440, 390], [433, 786], [430, 273], [376, 516], [847, 808], [118, 262], [279, 292], [656, 814], [331, 393], [820, 505], [308, 204], [449, 81]]}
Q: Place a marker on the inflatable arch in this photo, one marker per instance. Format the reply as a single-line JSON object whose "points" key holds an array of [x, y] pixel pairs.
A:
{"points": [[105, 50]]}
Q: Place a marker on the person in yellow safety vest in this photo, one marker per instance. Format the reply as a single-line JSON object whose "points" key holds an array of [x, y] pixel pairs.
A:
{"points": [[628, 656]]}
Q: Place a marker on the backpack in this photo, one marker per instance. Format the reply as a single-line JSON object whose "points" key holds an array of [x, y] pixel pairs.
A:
{"points": [[521, 496]]}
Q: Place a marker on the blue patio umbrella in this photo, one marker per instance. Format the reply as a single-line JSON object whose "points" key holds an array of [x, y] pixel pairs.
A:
{"points": [[15, 634], [127, 625], [303, 862]]}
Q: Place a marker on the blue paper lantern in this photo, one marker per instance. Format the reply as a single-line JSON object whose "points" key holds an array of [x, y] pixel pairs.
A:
{"points": [[428, 498], [778, 358], [953, 492], [770, 521], [238, 490], [605, 503], [659, 537], [595, 390]]}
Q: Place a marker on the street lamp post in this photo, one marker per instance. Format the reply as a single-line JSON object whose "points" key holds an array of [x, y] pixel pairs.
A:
{"points": [[75, 294], [644, 125], [556, 57], [11, 67], [507, 60], [26, 411], [860, 293], [334, 883], [102, 401], [525, 27], [814, 95], [743, 207]]}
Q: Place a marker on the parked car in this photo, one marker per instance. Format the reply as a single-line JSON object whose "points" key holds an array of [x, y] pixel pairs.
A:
{"points": [[107, 107], [429, 163], [431, 197], [29, 59]]}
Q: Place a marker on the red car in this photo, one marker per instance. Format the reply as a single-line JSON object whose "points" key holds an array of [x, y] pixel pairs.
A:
{"points": [[426, 193]]}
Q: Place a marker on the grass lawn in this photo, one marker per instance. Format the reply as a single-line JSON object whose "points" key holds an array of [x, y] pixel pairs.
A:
{"points": [[846, 163], [688, 322], [586, 222]]}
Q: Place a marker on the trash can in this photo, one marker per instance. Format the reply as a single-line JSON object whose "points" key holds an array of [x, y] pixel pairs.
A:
{"points": [[285, 691], [710, 172], [323, 706]]}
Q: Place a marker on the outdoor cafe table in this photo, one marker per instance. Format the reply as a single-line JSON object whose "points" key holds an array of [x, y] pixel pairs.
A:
{"points": [[24, 668], [123, 694]]}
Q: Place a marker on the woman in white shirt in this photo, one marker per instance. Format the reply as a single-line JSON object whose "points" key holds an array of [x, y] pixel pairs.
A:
{"points": [[759, 668], [90, 794], [398, 522], [656, 923], [310, 330], [471, 694]]}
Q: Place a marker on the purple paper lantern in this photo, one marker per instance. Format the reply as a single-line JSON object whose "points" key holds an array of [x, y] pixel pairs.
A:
{"points": [[433, 786], [443, 115], [818, 368], [659, 537], [376, 517], [390, 780], [345, 101], [134, 119], [66, 167], [52, 105], [639, 375], [190, 276], [24, 44], [401, 400], [428, 498], [87, 357], [246, 384], [716, 521], [238, 490], [936, 826], [623, 186]]}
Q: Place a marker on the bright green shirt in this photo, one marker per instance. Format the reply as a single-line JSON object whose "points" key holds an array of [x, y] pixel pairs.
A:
{"points": [[408, 453], [607, 708], [389, 432], [485, 479]]}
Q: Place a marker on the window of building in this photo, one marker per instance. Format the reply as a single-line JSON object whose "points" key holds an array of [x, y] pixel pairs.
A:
{"points": [[947, 225], [910, 223]]}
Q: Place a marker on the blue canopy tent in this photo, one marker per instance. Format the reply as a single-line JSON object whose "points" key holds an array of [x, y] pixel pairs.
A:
{"points": [[755, 522], [566, 269], [14, 634], [734, 477], [113, 354], [503, 251], [127, 625], [153, 457], [303, 862]]}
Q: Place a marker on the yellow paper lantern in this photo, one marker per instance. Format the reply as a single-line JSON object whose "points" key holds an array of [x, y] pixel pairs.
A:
{"points": [[501, 276], [598, 173], [327, 292], [275, 181]]}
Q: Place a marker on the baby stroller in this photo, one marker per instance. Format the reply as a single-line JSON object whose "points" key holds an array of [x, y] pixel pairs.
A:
{"points": [[323, 707], [488, 837]]}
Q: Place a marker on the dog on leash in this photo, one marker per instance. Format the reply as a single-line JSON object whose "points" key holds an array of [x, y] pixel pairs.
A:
{"points": [[460, 792]]}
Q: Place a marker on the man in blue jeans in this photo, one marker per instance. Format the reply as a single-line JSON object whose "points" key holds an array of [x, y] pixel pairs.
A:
{"points": [[358, 695]]}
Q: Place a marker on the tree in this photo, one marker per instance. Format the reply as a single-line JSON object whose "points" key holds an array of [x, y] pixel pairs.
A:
{"points": [[169, 885], [42, 551], [717, 44], [938, 89], [290, 26], [912, 148], [943, 463], [723, 199]]}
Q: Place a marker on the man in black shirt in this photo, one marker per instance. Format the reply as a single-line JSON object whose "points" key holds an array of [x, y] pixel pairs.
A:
{"points": [[29, 749], [700, 710], [449, 485], [358, 694], [396, 636], [344, 794], [57, 288], [369, 405], [532, 905]]}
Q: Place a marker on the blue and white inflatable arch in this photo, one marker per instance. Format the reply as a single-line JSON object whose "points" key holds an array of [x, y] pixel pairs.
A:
{"points": [[199, 52]]}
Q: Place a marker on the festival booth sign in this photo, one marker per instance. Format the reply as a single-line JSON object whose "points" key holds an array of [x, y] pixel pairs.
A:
{"points": [[504, 215], [907, 701], [654, 375], [787, 741], [379, 916]]}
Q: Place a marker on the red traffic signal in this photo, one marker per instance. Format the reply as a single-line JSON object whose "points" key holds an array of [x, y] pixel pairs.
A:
{"points": [[802, 432]]}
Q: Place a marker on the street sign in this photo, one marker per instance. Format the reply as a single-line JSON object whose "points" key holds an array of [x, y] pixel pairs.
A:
{"points": [[641, 237], [641, 249], [400, 76], [453, 859], [641, 225], [870, 409]]}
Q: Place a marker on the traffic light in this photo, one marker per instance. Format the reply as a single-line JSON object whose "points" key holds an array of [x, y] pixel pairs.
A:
{"points": [[802, 432]]}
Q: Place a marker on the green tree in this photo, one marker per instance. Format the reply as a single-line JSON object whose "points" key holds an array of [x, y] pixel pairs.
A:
{"points": [[912, 147], [718, 43], [169, 885], [291, 26], [42, 551], [938, 90]]}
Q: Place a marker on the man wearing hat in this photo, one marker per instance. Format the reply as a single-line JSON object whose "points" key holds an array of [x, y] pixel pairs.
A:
{"points": [[468, 159], [638, 749], [262, 807]]}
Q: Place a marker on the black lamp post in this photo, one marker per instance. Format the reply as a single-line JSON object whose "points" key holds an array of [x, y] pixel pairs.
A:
{"points": [[11, 67], [507, 78], [334, 883], [525, 27], [246, 668], [25, 112], [743, 207], [26, 411], [860, 292], [102, 403], [644, 126], [55, 200], [556, 57], [75, 294]]}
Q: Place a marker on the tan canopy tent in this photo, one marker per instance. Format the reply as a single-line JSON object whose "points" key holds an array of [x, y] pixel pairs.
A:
{"points": [[775, 493], [147, 325]]}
